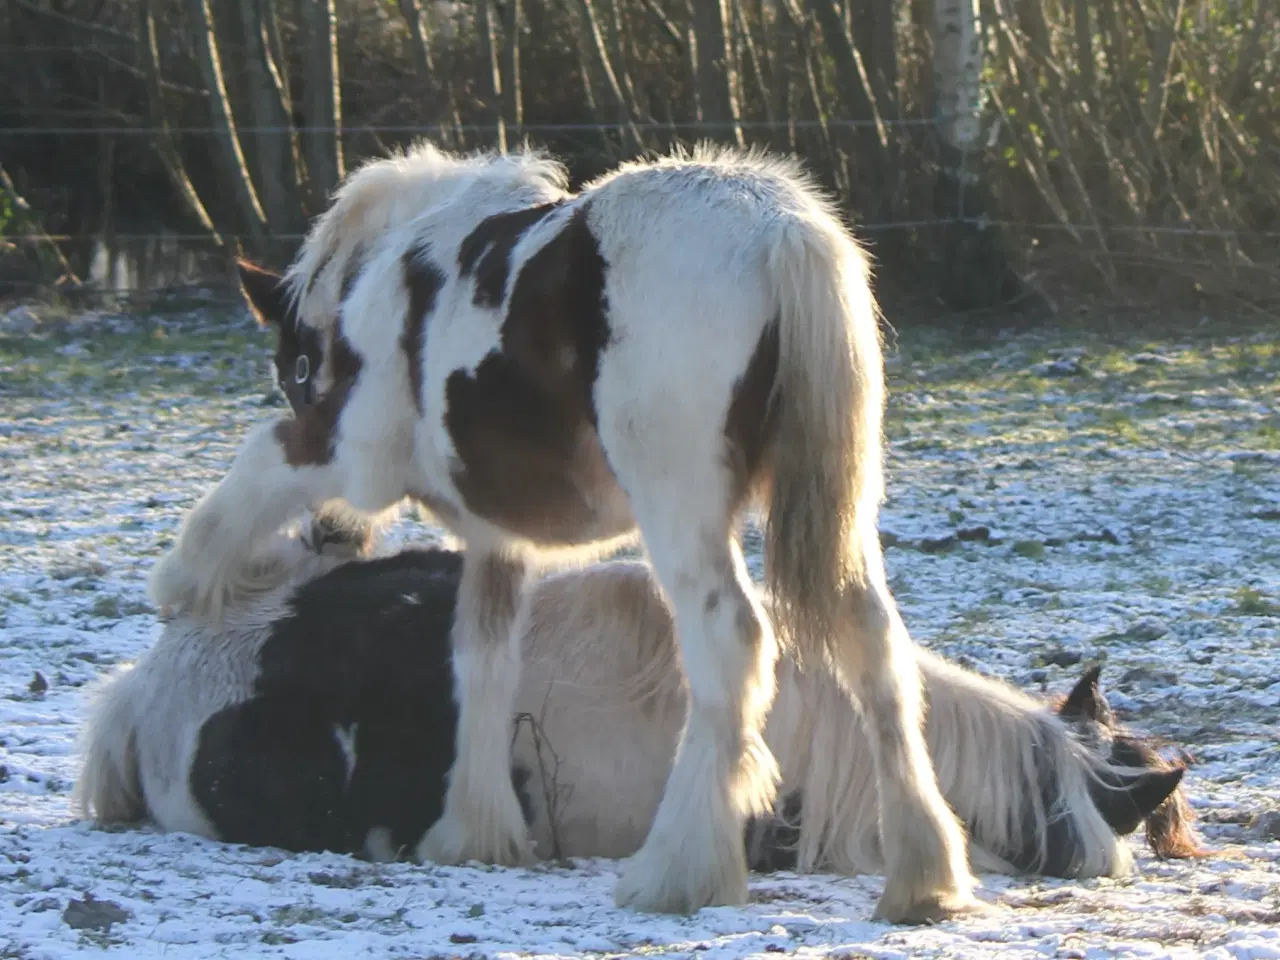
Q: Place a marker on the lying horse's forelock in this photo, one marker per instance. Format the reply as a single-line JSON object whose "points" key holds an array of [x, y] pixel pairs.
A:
{"points": [[1168, 828]]}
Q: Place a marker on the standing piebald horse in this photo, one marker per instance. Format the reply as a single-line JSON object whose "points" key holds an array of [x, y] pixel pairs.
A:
{"points": [[549, 372]]}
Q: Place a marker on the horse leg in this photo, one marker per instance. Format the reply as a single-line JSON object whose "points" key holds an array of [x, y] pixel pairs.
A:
{"points": [[482, 819], [723, 771], [923, 843], [209, 563]]}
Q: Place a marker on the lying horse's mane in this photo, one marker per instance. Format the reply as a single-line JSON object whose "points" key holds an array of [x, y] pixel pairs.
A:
{"points": [[386, 192]]}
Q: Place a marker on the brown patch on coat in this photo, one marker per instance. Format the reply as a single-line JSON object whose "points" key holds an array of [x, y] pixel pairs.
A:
{"points": [[486, 251], [523, 424], [489, 595], [424, 281], [750, 424], [309, 438]]}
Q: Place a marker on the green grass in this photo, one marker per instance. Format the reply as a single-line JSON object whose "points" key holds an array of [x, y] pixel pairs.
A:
{"points": [[1251, 602]]}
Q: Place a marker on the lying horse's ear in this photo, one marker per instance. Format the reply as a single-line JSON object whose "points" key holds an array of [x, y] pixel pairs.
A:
{"points": [[266, 293], [1127, 800], [1085, 701]]}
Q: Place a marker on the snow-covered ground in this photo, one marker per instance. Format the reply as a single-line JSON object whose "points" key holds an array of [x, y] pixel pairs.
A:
{"points": [[1131, 500]]}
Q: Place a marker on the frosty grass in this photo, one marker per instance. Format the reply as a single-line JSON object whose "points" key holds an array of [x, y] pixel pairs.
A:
{"points": [[1130, 495]]}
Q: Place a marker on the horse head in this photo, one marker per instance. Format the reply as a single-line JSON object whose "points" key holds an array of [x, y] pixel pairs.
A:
{"points": [[299, 348], [1150, 789]]}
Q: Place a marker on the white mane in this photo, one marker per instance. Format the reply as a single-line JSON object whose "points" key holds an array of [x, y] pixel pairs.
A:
{"points": [[387, 192]]}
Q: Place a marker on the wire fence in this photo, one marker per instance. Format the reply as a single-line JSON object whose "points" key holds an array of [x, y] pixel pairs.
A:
{"points": [[115, 243]]}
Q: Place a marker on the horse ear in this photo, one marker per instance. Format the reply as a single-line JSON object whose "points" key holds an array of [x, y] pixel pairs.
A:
{"points": [[1085, 700], [1127, 803], [266, 294]]}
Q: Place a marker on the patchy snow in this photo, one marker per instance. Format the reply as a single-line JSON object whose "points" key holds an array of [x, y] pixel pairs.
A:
{"points": [[1126, 510]]}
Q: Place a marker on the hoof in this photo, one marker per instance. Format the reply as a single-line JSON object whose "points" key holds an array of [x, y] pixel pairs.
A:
{"points": [[651, 884], [934, 909], [450, 841]]}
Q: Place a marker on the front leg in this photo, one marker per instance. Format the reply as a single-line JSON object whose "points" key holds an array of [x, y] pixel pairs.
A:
{"points": [[211, 565], [482, 819]]}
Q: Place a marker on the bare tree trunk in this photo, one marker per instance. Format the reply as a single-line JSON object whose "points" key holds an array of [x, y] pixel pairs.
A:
{"points": [[615, 31], [1088, 85], [593, 42], [779, 49], [862, 144], [420, 32], [806, 68], [975, 271], [716, 106], [512, 92], [322, 99], [277, 172], [490, 75], [758, 60], [232, 170], [436, 79], [164, 142], [1162, 52]]}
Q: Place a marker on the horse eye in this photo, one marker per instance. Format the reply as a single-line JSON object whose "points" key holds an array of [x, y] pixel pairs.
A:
{"points": [[302, 369]]}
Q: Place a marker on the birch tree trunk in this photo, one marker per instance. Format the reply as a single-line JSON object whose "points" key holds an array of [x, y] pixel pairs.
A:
{"points": [[975, 271], [512, 92], [490, 75], [322, 99], [232, 170]]}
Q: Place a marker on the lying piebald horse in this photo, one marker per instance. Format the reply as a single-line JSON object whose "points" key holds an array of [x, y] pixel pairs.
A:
{"points": [[320, 715]]}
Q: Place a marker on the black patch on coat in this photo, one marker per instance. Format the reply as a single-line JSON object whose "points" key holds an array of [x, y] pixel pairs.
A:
{"points": [[364, 648], [750, 422], [486, 251], [423, 280], [523, 424], [308, 439]]}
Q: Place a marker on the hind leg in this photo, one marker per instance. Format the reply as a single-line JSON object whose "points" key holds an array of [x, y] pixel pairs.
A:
{"points": [[924, 846], [723, 771], [482, 818]]}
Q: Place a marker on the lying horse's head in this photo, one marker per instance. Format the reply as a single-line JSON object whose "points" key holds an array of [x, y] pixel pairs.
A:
{"points": [[1126, 800], [299, 348]]}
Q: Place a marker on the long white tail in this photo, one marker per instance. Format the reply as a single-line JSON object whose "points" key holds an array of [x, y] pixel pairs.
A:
{"points": [[109, 789], [827, 481]]}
